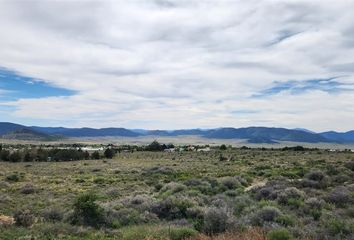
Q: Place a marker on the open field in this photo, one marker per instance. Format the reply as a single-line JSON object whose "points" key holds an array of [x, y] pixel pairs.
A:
{"points": [[178, 140], [248, 193]]}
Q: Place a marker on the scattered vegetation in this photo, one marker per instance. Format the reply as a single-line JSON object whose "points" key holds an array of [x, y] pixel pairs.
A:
{"points": [[127, 192]]}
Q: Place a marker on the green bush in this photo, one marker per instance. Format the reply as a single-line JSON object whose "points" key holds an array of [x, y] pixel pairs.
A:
{"points": [[182, 233], [87, 211], [24, 218], [279, 234]]}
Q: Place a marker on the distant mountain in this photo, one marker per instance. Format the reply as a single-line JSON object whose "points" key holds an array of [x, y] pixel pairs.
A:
{"points": [[88, 132], [269, 134], [6, 127], [250, 134], [26, 134], [304, 130], [345, 137]]}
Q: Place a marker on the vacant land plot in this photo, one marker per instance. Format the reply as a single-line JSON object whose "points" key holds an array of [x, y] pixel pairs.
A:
{"points": [[234, 194]]}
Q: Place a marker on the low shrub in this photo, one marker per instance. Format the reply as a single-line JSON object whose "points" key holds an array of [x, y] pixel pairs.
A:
{"points": [[87, 211], [288, 196], [350, 165], [182, 233], [279, 234], [340, 196], [27, 189], [266, 214], [52, 215], [217, 220], [24, 218], [172, 207]]}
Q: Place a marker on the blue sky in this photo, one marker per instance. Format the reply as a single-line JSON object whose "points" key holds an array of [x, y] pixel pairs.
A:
{"points": [[14, 86], [176, 64]]}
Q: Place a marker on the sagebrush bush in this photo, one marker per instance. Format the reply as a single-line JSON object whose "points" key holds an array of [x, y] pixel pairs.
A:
{"points": [[174, 187], [217, 220], [52, 215], [24, 218], [287, 196], [172, 207], [279, 234], [340, 196], [87, 211], [350, 165], [27, 189], [266, 214]]}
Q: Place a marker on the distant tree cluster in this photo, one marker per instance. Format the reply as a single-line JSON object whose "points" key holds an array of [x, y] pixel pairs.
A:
{"points": [[55, 154], [155, 146]]}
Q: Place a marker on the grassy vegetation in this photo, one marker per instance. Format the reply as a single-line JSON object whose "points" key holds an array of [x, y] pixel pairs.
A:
{"points": [[228, 194]]}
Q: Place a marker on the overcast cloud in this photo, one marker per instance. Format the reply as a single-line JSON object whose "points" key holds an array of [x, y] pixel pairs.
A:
{"points": [[168, 64]]}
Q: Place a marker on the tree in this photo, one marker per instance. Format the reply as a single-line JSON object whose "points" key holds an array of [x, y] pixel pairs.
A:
{"points": [[95, 155], [109, 153], [15, 157], [155, 146], [28, 157], [4, 155], [223, 147]]}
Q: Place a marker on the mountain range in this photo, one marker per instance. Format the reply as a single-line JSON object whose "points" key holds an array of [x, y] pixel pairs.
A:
{"points": [[250, 134]]}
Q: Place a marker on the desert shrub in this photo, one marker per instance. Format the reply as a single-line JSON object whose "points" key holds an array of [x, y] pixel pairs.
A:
{"points": [[87, 211], [350, 165], [172, 207], [285, 220], [337, 227], [217, 220], [196, 217], [266, 214], [122, 217], [279, 234], [230, 182], [24, 218], [15, 177], [315, 175], [241, 203], [27, 189], [341, 178], [182, 233], [340, 196], [52, 215], [174, 187], [315, 179], [289, 196], [140, 202], [312, 203], [271, 190]]}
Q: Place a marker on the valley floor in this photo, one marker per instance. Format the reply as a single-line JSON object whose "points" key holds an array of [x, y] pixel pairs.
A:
{"points": [[230, 194]]}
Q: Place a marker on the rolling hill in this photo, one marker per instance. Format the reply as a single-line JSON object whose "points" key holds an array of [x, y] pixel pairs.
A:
{"points": [[250, 134]]}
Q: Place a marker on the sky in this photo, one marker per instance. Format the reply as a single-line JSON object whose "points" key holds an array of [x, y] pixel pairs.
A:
{"points": [[165, 64]]}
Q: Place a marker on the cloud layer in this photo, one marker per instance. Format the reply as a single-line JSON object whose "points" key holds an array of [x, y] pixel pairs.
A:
{"points": [[182, 64]]}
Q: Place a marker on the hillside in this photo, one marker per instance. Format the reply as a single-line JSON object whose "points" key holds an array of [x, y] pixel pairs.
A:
{"points": [[249, 134]]}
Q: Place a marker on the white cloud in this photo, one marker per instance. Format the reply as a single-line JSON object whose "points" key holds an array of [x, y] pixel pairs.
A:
{"points": [[181, 64]]}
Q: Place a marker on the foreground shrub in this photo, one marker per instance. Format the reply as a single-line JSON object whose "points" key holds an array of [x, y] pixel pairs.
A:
{"points": [[338, 227], [279, 234], [288, 196], [87, 211], [182, 233], [52, 215], [340, 196], [24, 218], [27, 189], [315, 179], [217, 220], [350, 165], [172, 208], [266, 214]]}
